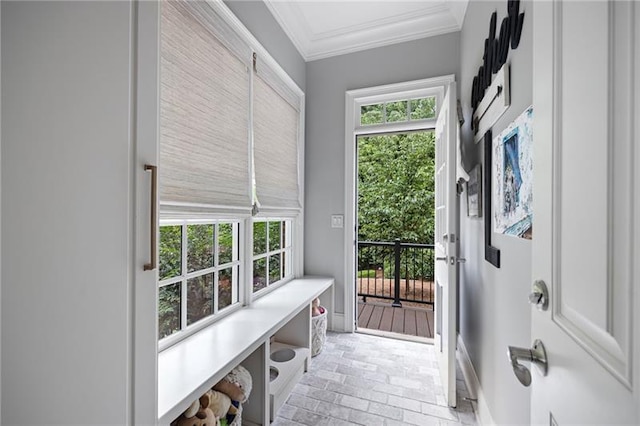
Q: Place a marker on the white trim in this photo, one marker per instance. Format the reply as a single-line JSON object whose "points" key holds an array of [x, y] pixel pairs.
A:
{"points": [[337, 322], [480, 407], [396, 336], [353, 100]]}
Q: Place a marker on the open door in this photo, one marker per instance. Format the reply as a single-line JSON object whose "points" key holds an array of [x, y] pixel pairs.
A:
{"points": [[586, 201], [446, 236]]}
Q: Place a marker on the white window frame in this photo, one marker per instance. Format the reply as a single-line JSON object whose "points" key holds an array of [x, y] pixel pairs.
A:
{"points": [[408, 115], [288, 249], [354, 100], [239, 278]]}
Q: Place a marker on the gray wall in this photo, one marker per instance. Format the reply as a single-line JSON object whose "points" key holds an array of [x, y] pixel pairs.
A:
{"points": [[259, 20], [327, 81], [493, 302]]}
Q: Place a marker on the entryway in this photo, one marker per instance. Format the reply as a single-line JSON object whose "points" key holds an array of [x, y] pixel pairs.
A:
{"points": [[396, 222]]}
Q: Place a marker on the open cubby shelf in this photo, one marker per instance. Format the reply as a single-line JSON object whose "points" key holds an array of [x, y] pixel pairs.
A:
{"points": [[187, 369]]}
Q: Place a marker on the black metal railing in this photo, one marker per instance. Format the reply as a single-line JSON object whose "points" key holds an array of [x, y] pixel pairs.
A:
{"points": [[396, 271]]}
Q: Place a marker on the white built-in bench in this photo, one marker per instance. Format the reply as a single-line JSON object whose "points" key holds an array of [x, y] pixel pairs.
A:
{"points": [[187, 369]]}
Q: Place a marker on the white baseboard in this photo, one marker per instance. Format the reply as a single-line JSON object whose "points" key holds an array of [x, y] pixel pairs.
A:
{"points": [[473, 385], [337, 323]]}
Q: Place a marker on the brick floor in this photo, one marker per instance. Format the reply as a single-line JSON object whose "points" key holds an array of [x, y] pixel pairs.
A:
{"points": [[360, 379]]}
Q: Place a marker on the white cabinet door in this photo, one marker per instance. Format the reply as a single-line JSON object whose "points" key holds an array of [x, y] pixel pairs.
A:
{"points": [[67, 216], [585, 241], [79, 116]]}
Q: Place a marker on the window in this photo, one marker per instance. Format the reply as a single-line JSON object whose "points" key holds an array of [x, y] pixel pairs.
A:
{"points": [[272, 250], [398, 111], [199, 273], [230, 138]]}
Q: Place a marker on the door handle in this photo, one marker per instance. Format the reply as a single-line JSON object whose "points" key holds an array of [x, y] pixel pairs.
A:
{"points": [[536, 355], [154, 217], [442, 258]]}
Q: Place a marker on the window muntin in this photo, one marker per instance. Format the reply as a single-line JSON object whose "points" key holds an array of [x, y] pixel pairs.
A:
{"points": [[272, 248], [199, 272], [398, 111]]}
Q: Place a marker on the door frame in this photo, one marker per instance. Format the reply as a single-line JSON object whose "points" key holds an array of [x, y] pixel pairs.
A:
{"points": [[354, 99]]}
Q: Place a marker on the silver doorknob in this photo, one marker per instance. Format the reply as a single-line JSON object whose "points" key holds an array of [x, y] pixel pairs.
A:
{"points": [[461, 260], [442, 258], [536, 355]]}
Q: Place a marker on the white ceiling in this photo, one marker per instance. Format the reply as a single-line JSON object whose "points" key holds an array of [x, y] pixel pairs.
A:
{"points": [[323, 28]]}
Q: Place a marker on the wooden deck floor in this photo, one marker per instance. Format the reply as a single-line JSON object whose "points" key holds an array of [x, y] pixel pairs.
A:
{"points": [[405, 320]]}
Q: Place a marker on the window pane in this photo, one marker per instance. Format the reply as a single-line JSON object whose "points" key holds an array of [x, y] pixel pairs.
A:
{"points": [[371, 114], [259, 237], [168, 310], [225, 287], [274, 236], [225, 243], [423, 108], [259, 274], [170, 251], [274, 268], [199, 247], [396, 111], [199, 298]]}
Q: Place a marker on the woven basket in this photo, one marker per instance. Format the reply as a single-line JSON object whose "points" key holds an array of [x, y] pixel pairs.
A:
{"points": [[318, 332]]}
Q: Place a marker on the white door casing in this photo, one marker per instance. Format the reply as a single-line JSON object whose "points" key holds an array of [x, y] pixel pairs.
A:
{"points": [[446, 235], [585, 202], [354, 100]]}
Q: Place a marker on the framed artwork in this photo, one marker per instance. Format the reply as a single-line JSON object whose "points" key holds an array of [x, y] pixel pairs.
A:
{"points": [[513, 178], [474, 192]]}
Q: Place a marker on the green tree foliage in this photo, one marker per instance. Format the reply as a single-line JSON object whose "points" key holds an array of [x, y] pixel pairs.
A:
{"points": [[200, 256], [396, 187]]}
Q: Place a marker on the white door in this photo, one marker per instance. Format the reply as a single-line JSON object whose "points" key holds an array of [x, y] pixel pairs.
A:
{"points": [[445, 244], [586, 228]]}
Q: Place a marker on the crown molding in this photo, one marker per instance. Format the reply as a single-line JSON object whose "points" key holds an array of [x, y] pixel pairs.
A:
{"points": [[440, 18]]}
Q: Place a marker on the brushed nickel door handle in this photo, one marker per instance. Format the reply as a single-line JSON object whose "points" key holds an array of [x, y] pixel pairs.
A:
{"points": [[154, 216]]}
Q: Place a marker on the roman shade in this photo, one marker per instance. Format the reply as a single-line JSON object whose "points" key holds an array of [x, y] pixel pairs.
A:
{"points": [[204, 111], [276, 127]]}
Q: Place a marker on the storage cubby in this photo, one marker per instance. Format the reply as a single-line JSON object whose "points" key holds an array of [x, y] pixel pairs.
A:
{"points": [[278, 323]]}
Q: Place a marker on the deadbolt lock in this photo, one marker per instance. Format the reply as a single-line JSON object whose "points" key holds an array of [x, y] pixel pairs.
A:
{"points": [[539, 295]]}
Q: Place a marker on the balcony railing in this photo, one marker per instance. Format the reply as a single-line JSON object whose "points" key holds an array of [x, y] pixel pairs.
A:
{"points": [[402, 272]]}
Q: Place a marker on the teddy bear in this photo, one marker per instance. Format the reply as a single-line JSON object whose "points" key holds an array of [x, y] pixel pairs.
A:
{"points": [[316, 309], [236, 385], [201, 417], [217, 402]]}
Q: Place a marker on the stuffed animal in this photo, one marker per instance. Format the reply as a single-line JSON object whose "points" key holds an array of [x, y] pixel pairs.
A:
{"points": [[217, 402], [192, 410], [236, 385], [204, 417], [315, 307]]}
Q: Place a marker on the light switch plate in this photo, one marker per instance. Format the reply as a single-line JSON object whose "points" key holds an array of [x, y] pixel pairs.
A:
{"points": [[337, 221]]}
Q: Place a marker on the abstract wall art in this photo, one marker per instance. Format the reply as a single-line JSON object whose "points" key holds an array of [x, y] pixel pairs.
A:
{"points": [[513, 178]]}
